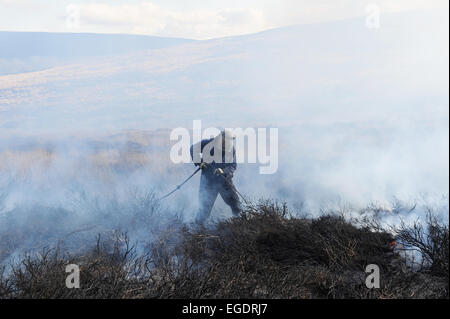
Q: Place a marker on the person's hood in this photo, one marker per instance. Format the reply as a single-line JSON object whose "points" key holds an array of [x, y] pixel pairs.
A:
{"points": [[229, 140]]}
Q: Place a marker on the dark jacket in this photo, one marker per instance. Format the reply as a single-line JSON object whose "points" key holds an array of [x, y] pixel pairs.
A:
{"points": [[228, 168]]}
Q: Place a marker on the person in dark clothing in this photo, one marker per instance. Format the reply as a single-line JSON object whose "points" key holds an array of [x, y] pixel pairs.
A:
{"points": [[217, 173]]}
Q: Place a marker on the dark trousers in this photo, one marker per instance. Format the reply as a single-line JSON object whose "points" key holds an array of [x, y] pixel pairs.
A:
{"points": [[210, 187]]}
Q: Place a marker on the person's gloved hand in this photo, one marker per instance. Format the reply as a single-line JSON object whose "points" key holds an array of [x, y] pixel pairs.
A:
{"points": [[219, 172], [203, 165]]}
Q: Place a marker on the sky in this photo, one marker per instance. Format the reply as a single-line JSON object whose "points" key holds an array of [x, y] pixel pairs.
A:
{"points": [[194, 19]]}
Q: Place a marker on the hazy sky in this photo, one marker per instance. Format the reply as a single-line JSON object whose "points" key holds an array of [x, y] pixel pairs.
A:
{"points": [[198, 19]]}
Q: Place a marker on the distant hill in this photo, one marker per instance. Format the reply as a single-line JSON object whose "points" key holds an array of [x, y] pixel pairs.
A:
{"points": [[303, 74], [30, 51], [74, 45]]}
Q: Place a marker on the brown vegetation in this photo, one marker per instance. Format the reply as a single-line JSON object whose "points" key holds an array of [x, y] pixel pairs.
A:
{"points": [[265, 253]]}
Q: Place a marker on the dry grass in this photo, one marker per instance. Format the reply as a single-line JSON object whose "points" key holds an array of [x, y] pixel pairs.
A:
{"points": [[265, 253]]}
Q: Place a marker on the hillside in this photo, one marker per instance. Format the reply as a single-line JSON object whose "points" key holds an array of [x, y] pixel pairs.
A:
{"points": [[304, 74], [35, 51]]}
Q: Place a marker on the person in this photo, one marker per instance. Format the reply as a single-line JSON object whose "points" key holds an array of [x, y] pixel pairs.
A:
{"points": [[217, 159]]}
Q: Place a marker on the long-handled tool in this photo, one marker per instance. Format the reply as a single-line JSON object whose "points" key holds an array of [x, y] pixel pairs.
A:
{"points": [[235, 189], [221, 173], [193, 174], [181, 185]]}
